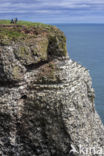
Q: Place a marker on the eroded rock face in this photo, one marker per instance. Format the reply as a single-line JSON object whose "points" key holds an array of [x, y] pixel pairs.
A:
{"points": [[46, 99]]}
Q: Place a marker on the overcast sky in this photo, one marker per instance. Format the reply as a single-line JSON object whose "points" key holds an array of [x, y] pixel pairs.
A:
{"points": [[54, 11]]}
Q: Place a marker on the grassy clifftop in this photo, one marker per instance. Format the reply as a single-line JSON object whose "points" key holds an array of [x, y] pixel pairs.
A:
{"points": [[25, 23], [21, 29], [26, 45], [33, 39]]}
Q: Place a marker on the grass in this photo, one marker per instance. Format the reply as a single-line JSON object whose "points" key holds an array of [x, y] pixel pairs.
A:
{"points": [[8, 34], [15, 33], [11, 34], [24, 23]]}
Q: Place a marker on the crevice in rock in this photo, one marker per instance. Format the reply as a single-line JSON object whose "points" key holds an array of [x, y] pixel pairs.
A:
{"points": [[35, 66], [24, 97], [8, 84]]}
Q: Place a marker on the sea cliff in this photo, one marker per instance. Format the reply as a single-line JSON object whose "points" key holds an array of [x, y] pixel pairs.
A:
{"points": [[46, 99]]}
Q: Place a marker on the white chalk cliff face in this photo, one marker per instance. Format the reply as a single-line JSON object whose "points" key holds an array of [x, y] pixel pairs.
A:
{"points": [[46, 99]]}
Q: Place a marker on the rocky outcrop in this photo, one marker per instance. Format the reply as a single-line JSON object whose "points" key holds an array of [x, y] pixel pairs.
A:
{"points": [[46, 99]]}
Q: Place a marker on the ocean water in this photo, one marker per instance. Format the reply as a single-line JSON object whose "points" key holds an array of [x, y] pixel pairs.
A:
{"points": [[85, 44]]}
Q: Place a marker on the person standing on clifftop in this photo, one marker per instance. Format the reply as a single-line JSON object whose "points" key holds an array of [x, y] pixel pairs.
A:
{"points": [[11, 21], [14, 21]]}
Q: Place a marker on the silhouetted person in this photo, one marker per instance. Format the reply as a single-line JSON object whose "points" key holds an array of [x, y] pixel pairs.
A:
{"points": [[12, 21], [15, 20]]}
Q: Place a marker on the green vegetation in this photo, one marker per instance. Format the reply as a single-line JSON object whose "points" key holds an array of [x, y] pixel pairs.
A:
{"points": [[9, 35], [4, 22], [10, 31], [24, 23], [44, 40]]}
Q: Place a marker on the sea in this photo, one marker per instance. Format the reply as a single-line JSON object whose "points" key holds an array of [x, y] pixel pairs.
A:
{"points": [[85, 44]]}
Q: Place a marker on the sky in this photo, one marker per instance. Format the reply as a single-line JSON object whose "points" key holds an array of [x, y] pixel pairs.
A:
{"points": [[54, 11]]}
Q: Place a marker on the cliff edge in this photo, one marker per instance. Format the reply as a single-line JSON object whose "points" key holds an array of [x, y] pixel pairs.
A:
{"points": [[46, 99]]}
